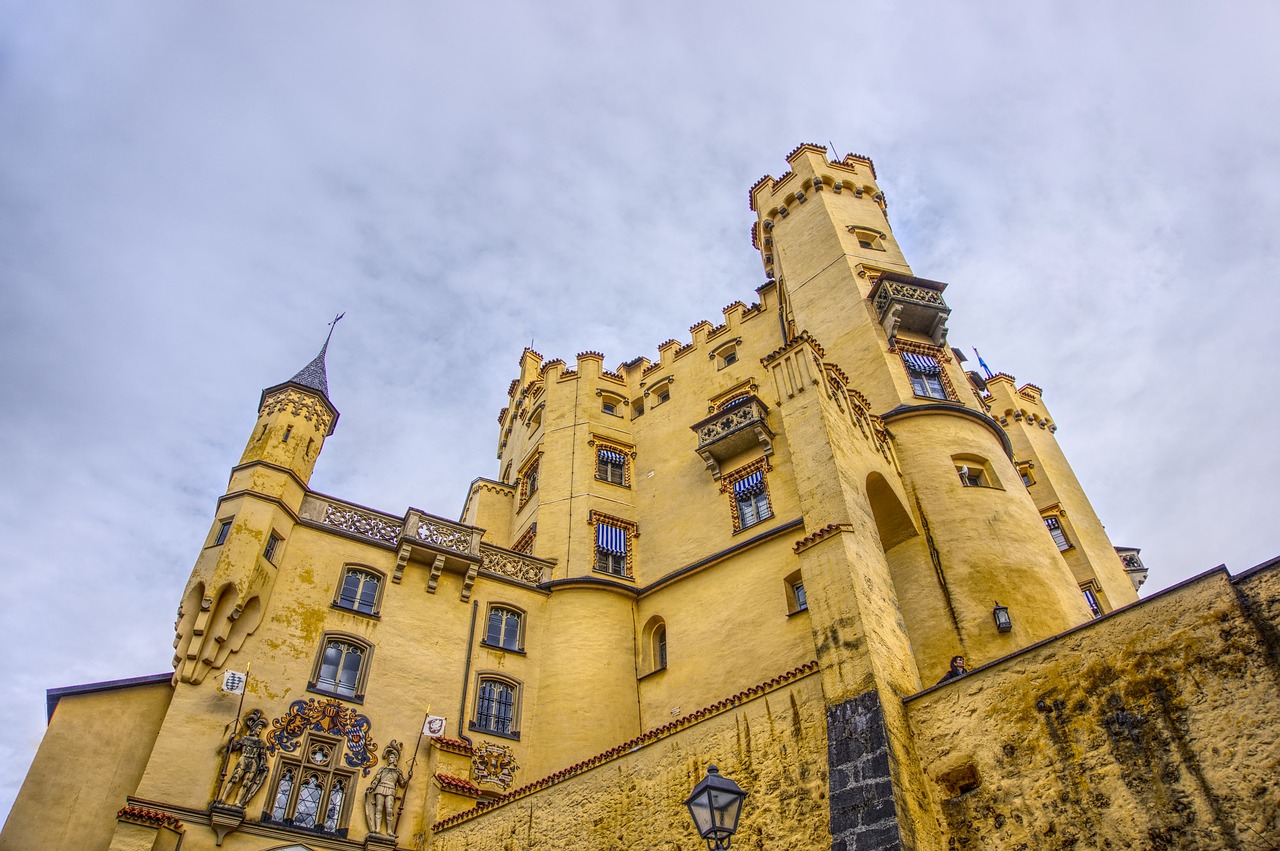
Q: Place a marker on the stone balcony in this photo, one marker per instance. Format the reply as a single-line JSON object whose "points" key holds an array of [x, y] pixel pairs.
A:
{"points": [[733, 430], [439, 544], [904, 303]]}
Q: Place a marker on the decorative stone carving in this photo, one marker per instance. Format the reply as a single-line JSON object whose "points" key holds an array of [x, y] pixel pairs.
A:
{"points": [[361, 523], [327, 716], [380, 797], [439, 535], [251, 769], [511, 565], [437, 568], [494, 763], [299, 404], [733, 430]]}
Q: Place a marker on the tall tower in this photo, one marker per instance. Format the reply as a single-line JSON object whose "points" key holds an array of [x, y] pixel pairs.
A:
{"points": [[824, 234], [235, 572]]}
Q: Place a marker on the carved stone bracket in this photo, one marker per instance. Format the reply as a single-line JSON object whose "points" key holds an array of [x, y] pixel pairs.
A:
{"points": [[402, 560], [224, 818], [469, 581], [437, 568]]}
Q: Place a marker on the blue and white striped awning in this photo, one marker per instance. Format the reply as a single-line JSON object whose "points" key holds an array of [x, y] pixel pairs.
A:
{"points": [[611, 456], [750, 485], [611, 539], [922, 364]]}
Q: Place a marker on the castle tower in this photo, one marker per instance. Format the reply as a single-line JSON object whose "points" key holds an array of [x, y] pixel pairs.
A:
{"points": [[235, 572], [825, 237]]}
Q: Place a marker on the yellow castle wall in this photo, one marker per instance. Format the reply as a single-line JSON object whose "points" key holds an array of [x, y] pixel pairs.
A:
{"points": [[91, 757]]}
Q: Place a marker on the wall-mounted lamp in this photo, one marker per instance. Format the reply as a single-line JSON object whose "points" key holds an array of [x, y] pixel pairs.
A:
{"points": [[1001, 615]]}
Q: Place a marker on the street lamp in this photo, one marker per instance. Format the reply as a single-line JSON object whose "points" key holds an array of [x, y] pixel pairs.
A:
{"points": [[715, 804]]}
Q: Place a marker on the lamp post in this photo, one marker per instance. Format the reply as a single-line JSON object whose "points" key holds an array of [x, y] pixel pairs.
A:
{"points": [[715, 804]]}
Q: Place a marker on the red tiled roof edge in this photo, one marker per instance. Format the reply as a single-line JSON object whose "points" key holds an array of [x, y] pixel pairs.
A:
{"points": [[155, 818], [627, 747]]}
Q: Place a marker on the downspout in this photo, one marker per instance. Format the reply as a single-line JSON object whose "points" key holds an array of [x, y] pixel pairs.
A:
{"points": [[466, 673]]}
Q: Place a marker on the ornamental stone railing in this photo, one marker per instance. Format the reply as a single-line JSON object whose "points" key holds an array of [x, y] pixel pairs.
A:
{"points": [[363, 522], [513, 565], [442, 534], [907, 306], [735, 429]]}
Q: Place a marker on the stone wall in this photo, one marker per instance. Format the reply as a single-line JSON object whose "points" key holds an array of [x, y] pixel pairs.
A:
{"points": [[1154, 728], [774, 746]]}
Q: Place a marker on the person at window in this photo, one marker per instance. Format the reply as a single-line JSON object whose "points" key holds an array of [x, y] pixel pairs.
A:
{"points": [[957, 669]]}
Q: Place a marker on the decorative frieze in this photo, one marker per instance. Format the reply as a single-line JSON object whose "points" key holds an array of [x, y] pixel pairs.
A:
{"points": [[298, 404], [440, 535]]}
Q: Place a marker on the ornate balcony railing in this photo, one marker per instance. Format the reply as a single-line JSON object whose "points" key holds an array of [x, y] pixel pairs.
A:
{"points": [[353, 519], [513, 565], [911, 304], [442, 534], [733, 430]]}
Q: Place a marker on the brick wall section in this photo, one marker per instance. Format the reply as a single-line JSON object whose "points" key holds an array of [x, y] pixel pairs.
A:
{"points": [[863, 815]]}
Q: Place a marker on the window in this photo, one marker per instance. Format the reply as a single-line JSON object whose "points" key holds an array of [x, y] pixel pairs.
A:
{"points": [[637, 407], [611, 466], [529, 479], [1091, 598], [797, 601], [730, 357], [308, 793], [610, 408], [653, 646], [342, 667], [752, 500], [664, 397], [505, 628], [359, 591], [971, 477], [613, 545], [1056, 531], [1024, 471], [926, 376], [496, 705], [288, 430], [273, 544], [868, 238], [224, 529]]}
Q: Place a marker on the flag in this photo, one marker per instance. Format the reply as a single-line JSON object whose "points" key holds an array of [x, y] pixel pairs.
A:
{"points": [[434, 727], [233, 682]]}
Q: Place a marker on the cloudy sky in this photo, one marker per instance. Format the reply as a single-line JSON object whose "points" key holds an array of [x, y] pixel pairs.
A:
{"points": [[190, 191]]}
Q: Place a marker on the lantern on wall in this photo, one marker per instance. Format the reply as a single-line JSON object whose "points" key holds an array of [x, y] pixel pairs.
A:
{"points": [[716, 804]]}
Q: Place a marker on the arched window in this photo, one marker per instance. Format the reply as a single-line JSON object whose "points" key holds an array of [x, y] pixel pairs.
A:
{"points": [[342, 667], [497, 707], [360, 591], [310, 791], [505, 628], [653, 646]]}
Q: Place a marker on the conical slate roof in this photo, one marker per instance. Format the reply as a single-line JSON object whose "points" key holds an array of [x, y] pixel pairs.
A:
{"points": [[313, 374]]}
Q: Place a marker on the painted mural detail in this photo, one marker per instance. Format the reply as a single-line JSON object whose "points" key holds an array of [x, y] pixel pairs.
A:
{"points": [[325, 716]]}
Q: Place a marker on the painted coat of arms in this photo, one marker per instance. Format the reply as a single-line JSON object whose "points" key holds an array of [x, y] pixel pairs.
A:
{"points": [[328, 716], [494, 763]]}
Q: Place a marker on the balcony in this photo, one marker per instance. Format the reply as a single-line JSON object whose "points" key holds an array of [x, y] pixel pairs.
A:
{"points": [[732, 431], [904, 303]]}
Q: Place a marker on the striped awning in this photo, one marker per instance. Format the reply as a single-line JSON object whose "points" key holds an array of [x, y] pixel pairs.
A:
{"points": [[750, 485], [612, 457], [611, 539], [922, 364]]}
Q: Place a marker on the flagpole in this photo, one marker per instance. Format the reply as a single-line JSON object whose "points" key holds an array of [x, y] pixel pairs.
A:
{"points": [[412, 762], [235, 727]]}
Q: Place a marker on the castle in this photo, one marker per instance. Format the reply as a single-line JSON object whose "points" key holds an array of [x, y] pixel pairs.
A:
{"points": [[761, 550]]}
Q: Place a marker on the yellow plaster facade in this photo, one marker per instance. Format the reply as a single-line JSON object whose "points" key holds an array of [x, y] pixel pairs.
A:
{"points": [[760, 549]]}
